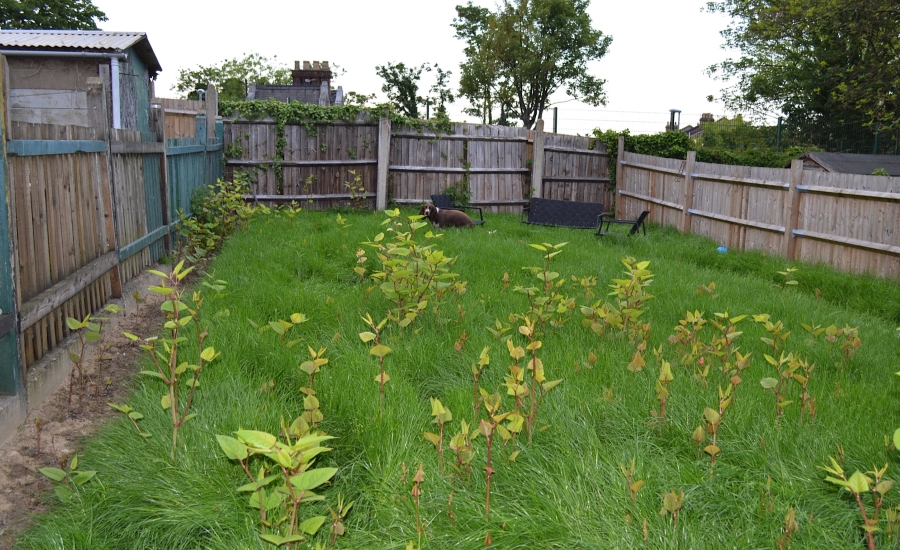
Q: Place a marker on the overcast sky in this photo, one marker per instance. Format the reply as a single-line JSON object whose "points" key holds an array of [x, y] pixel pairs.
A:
{"points": [[656, 62]]}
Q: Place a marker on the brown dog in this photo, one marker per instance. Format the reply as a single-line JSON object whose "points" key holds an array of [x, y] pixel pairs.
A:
{"points": [[441, 217]]}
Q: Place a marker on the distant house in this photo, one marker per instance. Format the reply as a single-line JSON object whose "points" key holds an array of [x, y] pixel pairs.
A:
{"points": [[50, 72], [849, 163], [311, 84]]}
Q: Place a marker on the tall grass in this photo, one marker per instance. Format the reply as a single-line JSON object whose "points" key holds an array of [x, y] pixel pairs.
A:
{"points": [[565, 489]]}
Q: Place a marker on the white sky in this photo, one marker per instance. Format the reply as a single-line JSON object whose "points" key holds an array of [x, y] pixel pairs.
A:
{"points": [[656, 61]]}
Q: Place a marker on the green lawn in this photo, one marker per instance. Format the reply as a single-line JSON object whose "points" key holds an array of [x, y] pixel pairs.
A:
{"points": [[566, 488]]}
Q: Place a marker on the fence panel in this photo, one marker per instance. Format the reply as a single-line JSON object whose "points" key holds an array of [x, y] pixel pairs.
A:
{"points": [[56, 176], [575, 172]]}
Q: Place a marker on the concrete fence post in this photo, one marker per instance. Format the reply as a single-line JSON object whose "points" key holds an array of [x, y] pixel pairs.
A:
{"points": [[537, 161]]}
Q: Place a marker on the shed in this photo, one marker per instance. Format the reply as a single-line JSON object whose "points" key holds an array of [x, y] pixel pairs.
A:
{"points": [[850, 163], [50, 72]]}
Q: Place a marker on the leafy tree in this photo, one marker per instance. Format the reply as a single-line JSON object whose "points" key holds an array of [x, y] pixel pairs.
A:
{"points": [[814, 60], [401, 84], [525, 52], [231, 76], [50, 14]]}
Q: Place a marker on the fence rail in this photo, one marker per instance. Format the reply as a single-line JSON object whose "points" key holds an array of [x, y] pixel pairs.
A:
{"points": [[361, 163], [849, 221]]}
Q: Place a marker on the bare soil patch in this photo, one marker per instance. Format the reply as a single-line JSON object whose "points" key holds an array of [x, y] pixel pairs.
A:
{"points": [[24, 491]]}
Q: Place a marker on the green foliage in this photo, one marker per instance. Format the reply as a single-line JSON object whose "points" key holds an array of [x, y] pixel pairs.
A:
{"points": [[50, 14], [401, 84], [527, 50], [217, 210], [290, 463], [231, 76], [813, 59], [859, 485]]}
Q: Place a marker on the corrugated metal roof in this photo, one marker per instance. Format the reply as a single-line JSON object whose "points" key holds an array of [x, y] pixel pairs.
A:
{"points": [[94, 40], [102, 41]]}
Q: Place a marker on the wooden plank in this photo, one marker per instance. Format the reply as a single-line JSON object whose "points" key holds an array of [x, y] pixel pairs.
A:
{"points": [[456, 170], [188, 149], [737, 221], [855, 243], [656, 169], [839, 192], [741, 181], [141, 243], [452, 137], [348, 162], [329, 196], [137, 147], [654, 200], [581, 179], [38, 307], [35, 147], [791, 211], [575, 151]]}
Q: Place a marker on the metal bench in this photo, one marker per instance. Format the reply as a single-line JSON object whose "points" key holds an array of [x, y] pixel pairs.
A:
{"points": [[635, 225], [580, 215], [445, 202]]}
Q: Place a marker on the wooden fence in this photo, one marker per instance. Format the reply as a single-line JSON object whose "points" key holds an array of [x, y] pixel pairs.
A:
{"points": [[849, 221], [366, 163], [84, 210]]}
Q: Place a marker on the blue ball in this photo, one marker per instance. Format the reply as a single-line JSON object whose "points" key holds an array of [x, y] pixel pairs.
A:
{"points": [[722, 249]]}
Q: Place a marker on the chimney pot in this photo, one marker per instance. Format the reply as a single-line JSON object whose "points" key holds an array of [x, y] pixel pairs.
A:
{"points": [[306, 66], [296, 65]]}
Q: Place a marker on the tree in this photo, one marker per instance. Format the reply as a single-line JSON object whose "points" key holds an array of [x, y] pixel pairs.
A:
{"points": [[527, 50], [50, 14], [401, 84], [232, 75], [814, 60]]}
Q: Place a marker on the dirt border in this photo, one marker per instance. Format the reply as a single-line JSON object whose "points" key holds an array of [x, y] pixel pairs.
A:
{"points": [[55, 424]]}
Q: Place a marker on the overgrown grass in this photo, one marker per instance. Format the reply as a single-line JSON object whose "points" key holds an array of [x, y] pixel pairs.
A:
{"points": [[565, 489]]}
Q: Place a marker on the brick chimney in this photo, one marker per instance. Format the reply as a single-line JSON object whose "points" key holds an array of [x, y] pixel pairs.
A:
{"points": [[312, 74]]}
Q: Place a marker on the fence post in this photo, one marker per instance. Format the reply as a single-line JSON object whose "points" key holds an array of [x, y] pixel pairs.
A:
{"points": [[212, 110], [100, 108], [792, 210], [384, 159], [158, 125], [620, 179], [12, 375], [688, 200], [537, 161]]}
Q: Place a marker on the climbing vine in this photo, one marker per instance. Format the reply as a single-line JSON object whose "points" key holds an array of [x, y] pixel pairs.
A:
{"points": [[308, 115]]}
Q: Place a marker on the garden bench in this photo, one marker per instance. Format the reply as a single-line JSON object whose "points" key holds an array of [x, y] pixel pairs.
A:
{"points": [[445, 202], [635, 225], [580, 215]]}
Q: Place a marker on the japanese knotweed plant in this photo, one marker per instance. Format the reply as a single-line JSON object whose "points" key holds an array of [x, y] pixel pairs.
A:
{"points": [[634, 485], [846, 339], [68, 480], [461, 445], [860, 484], [722, 343], [547, 303], [489, 428], [672, 505], [379, 350], [662, 389], [285, 479], [538, 385], [166, 353], [282, 328], [88, 331], [688, 340], [790, 527], [442, 416], [133, 416], [777, 335], [311, 413], [418, 479], [630, 299], [714, 419], [788, 276], [787, 367], [411, 273]]}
